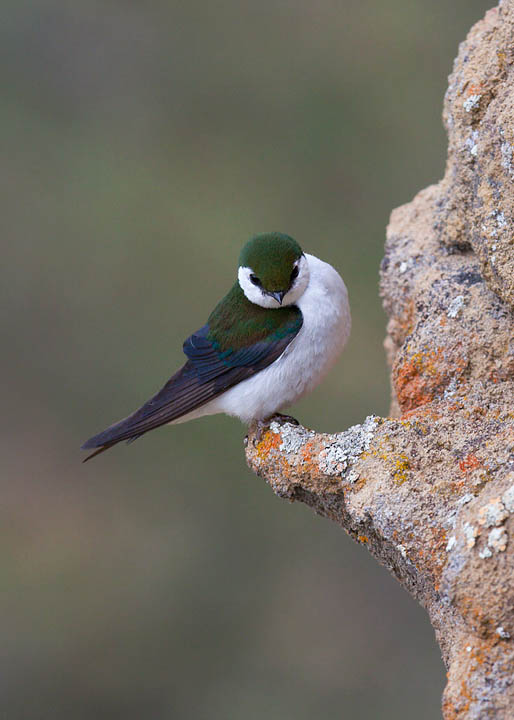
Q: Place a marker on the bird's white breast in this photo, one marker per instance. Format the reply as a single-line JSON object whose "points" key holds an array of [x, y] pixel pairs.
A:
{"points": [[305, 361]]}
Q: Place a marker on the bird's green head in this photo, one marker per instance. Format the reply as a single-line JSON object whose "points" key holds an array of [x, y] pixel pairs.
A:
{"points": [[273, 270]]}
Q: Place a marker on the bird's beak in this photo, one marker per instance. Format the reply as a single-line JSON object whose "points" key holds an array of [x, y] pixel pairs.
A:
{"points": [[279, 296]]}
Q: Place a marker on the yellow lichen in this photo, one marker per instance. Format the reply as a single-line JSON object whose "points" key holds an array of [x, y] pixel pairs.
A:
{"points": [[402, 468], [270, 441]]}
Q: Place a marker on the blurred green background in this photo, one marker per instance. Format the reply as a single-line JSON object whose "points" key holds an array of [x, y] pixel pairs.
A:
{"points": [[142, 143]]}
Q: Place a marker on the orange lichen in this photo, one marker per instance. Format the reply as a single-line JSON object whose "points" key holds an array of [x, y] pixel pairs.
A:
{"points": [[423, 375], [411, 386], [468, 463], [473, 89], [466, 694], [270, 441], [268, 451], [449, 710], [310, 458]]}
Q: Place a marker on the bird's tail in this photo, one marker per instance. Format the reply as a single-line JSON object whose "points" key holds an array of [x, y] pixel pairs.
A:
{"points": [[110, 437], [162, 408]]}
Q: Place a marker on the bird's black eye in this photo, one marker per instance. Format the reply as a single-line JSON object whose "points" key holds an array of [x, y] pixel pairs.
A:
{"points": [[294, 274], [255, 280]]}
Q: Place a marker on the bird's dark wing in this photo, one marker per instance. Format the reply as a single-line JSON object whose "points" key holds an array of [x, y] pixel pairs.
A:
{"points": [[209, 371]]}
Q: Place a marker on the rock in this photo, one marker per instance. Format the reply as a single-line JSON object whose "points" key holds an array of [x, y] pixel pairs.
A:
{"points": [[476, 198], [430, 490]]}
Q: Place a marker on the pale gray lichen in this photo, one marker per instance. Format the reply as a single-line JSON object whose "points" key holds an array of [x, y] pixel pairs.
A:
{"points": [[508, 497], [451, 543], [451, 389], [498, 539], [347, 447], [471, 143], [455, 306], [468, 497], [500, 630], [292, 436], [471, 102], [470, 534], [493, 513], [333, 460], [403, 551], [353, 476], [506, 151], [485, 553], [500, 219]]}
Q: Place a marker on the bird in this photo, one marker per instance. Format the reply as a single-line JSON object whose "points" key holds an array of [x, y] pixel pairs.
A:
{"points": [[267, 343]]}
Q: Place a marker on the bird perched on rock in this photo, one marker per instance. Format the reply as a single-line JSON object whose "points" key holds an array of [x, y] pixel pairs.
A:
{"points": [[270, 341]]}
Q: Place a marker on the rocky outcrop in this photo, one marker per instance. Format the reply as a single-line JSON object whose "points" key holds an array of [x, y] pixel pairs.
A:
{"points": [[430, 490], [476, 202]]}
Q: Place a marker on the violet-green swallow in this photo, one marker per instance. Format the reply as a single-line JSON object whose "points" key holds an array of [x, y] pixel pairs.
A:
{"points": [[270, 341]]}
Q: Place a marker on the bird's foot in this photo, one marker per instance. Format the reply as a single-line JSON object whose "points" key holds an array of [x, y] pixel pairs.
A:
{"points": [[257, 430], [259, 427], [282, 419]]}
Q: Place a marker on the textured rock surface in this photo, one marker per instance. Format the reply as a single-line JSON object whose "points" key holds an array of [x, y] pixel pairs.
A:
{"points": [[430, 490], [476, 203]]}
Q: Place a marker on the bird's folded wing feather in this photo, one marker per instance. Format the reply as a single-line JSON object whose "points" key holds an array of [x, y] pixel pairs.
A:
{"points": [[209, 371]]}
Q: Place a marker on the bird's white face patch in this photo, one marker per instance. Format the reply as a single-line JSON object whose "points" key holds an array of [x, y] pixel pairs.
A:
{"points": [[259, 296]]}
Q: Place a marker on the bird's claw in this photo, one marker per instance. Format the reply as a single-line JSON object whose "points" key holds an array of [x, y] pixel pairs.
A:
{"points": [[282, 419], [257, 430], [259, 427]]}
